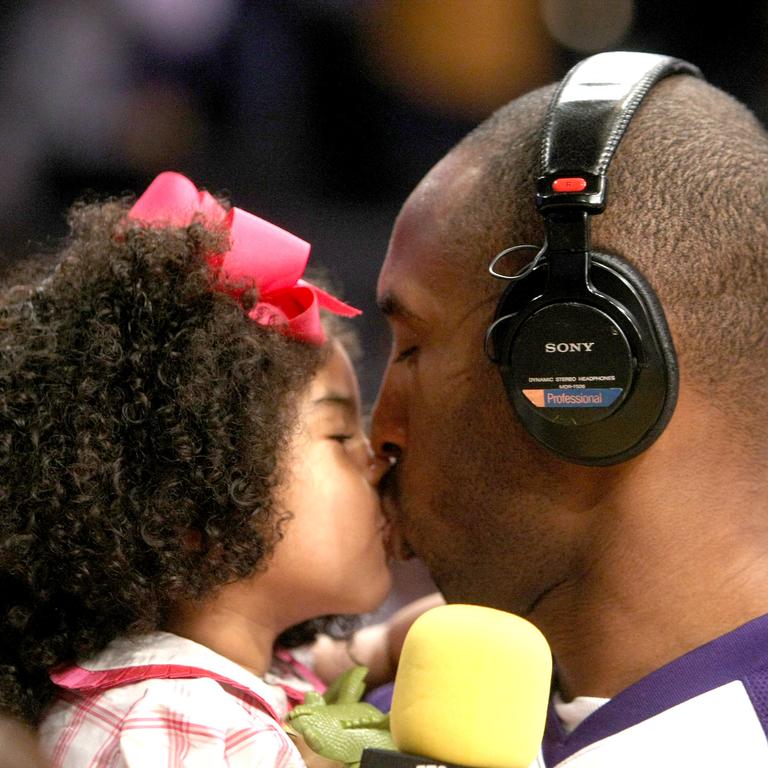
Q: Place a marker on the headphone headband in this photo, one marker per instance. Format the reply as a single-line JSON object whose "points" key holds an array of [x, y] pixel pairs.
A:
{"points": [[586, 120]]}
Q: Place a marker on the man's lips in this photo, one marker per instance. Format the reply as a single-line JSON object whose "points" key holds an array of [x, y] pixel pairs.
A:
{"points": [[395, 543]]}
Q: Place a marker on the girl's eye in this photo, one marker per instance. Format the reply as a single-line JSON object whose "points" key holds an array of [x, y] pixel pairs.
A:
{"points": [[406, 354], [340, 438]]}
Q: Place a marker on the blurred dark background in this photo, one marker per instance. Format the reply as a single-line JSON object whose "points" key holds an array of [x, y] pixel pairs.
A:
{"points": [[319, 115]]}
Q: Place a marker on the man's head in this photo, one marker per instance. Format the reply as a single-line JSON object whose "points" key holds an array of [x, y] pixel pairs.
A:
{"points": [[497, 518]]}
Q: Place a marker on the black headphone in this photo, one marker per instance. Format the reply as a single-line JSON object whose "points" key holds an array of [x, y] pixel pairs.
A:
{"points": [[580, 338]]}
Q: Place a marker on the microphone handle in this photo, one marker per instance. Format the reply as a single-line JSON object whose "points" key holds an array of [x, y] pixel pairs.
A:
{"points": [[387, 758]]}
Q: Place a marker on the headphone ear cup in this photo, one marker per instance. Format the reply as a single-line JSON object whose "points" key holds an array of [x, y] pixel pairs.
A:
{"points": [[617, 357], [655, 313]]}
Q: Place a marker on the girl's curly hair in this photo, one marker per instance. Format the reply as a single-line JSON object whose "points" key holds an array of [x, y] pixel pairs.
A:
{"points": [[136, 405]]}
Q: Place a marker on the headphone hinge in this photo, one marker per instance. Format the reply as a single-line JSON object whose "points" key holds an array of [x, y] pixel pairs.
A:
{"points": [[567, 231], [567, 254]]}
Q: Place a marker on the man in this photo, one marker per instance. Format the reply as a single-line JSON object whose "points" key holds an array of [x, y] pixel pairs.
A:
{"points": [[628, 567]]}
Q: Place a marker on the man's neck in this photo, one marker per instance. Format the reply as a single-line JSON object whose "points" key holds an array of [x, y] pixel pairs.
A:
{"points": [[659, 579]]}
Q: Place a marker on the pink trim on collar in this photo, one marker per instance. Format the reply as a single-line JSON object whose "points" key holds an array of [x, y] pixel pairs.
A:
{"points": [[74, 677], [302, 670]]}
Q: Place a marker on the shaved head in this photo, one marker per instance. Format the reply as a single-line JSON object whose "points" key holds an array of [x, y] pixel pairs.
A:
{"points": [[685, 206]]}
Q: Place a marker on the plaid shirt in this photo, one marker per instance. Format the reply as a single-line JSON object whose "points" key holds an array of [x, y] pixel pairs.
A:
{"points": [[163, 700]]}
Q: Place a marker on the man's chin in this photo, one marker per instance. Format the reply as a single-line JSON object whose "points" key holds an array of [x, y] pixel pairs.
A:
{"points": [[459, 588]]}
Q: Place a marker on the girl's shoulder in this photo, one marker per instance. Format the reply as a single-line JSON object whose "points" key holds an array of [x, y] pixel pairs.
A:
{"points": [[157, 694], [165, 663], [164, 720]]}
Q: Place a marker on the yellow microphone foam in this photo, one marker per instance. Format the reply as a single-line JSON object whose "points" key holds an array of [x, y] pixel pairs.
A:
{"points": [[472, 688]]}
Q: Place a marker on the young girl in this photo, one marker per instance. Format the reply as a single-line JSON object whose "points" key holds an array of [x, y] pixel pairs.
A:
{"points": [[184, 483]]}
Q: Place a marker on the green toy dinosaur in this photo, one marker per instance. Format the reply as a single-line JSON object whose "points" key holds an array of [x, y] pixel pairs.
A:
{"points": [[339, 726]]}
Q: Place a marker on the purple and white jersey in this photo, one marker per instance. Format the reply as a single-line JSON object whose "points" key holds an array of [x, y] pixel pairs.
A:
{"points": [[707, 708]]}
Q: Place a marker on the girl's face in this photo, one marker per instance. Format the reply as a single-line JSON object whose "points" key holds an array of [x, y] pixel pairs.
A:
{"points": [[332, 558]]}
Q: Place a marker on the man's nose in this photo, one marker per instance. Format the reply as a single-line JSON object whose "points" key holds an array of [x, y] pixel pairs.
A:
{"points": [[388, 426]]}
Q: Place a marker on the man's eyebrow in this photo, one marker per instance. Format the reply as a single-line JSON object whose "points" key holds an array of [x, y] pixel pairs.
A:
{"points": [[391, 306]]}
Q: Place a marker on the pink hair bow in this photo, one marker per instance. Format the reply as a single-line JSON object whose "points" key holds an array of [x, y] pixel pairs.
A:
{"points": [[260, 254]]}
